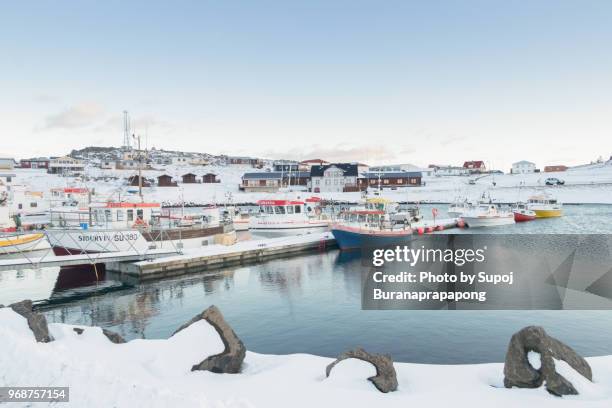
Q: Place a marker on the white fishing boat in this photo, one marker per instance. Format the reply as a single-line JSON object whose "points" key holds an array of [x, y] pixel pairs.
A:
{"points": [[288, 217], [487, 215], [458, 208], [133, 226]]}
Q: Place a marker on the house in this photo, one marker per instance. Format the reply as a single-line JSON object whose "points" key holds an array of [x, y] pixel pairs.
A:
{"points": [[336, 177], [307, 164], [241, 161], [66, 166], [268, 182], [199, 161], [476, 166], [552, 169], [189, 178], [108, 165], [299, 178], [449, 170], [285, 166], [210, 178], [133, 181], [180, 160], [523, 167], [34, 163], [6, 179], [165, 181], [7, 163], [391, 180]]}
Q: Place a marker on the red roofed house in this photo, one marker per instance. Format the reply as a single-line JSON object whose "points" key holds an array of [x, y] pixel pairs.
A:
{"points": [[476, 166]]}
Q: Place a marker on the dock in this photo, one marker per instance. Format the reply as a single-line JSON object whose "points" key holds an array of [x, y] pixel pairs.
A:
{"points": [[83, 259], [219, 256]]}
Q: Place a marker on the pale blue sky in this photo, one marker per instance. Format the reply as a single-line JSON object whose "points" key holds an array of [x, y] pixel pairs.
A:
{"points": [[394, 81]]}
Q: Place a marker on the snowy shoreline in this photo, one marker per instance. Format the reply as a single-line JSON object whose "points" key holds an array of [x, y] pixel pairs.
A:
{"points": [[156, 373]]}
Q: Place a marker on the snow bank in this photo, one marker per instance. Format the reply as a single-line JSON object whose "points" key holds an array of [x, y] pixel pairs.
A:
{"points": [[156, 373]]}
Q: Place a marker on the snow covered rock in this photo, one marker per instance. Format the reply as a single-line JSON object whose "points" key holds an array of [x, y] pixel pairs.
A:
{"points": [[36, 321], [385, 379], [518, 372], [230, 360], [112, 336]]}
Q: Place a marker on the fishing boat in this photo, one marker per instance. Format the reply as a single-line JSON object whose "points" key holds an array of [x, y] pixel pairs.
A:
{"points": [[378, 224], [288, 217], [522, 213], [545, 206], [12, 240], [487, 215], [458, 207], [133, 226], [238, 218]]}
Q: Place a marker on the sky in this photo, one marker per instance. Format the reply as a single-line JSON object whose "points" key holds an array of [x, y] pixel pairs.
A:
{"points": [[372, 81]]}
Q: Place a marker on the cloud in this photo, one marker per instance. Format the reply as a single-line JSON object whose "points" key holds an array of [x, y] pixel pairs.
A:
{"points": [[366, 153], [78, 116]]}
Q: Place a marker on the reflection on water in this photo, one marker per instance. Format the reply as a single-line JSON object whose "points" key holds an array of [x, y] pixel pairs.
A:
{"points": [[311, 304]]}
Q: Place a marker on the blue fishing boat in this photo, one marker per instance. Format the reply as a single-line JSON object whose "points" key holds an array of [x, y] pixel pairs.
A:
{"points": [[379, 224]]}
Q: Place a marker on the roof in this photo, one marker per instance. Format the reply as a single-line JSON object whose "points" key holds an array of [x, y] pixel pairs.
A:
{"points": [[268, 175], [523, 162], [475, 163], [393, 174], [320, 161], [262, 175], [350, 169], [188, 174]]}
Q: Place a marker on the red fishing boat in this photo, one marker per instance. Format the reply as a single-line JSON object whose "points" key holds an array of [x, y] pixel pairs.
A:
{"points": [[522, 213]]}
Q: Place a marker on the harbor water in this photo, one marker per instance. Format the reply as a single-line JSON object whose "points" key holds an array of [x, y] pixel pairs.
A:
{"points": [[312, 304]]}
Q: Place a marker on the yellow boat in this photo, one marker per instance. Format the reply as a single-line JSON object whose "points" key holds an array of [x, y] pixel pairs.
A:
{"points": [[22, 242], [545, 206]]}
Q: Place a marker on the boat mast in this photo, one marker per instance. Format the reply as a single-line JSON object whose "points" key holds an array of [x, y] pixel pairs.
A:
{"points": [[139, 171]]}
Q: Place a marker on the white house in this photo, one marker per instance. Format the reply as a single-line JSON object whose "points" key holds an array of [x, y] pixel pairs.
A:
{"points": [[451, 171], [337, 177], [180, 160], [523, 167], [7, 163], [66, 165]]}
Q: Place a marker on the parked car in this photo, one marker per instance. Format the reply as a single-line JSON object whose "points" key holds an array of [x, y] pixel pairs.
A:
{"points": [[553, 181]]}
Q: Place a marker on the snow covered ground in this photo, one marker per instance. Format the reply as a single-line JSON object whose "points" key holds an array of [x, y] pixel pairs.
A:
{"points": [[587, 184], [156, 373]]}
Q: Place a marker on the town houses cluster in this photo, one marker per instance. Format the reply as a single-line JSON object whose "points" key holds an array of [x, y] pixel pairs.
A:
{"points": [[259, 175]]}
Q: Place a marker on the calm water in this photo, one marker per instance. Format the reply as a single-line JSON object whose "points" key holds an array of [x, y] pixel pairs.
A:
{"points": [[311, 304]]}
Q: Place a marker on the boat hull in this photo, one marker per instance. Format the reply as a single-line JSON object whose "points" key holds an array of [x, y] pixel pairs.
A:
{"points": [[549, 213], [349, 238], [479, 222], [523, 216], [11, 244]]}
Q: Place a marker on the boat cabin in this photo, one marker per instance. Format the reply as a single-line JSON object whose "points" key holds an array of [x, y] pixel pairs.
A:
{"points": [[280, 207]]}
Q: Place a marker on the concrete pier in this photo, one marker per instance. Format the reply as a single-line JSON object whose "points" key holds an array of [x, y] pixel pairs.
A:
{"points": [[219, 256]]}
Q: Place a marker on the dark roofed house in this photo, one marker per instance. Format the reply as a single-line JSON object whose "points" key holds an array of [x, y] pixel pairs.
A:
{"points": [[210, 178], [189, 178], [268, 182], [391, 180], [133, 181], [165, 181], [335, 177]]}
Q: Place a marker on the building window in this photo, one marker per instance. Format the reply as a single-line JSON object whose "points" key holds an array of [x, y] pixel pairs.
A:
{"points": [[400, 181], [130, 215], [33, 205]]}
